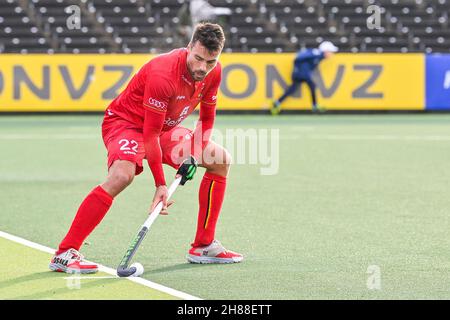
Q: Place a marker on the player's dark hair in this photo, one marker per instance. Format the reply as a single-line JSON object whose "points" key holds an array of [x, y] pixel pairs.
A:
{"points": [[210, 35]]}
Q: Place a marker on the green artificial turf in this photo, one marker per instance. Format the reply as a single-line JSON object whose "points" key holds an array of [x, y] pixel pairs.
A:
{"points": [[351, 192], [25, 276]]}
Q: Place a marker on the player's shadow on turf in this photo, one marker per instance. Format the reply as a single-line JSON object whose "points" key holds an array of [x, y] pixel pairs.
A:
{"points": [[30, 277], [181, 266]]}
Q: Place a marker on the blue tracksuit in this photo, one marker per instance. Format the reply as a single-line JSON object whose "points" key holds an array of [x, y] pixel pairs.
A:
{"points": [[305, 63]]}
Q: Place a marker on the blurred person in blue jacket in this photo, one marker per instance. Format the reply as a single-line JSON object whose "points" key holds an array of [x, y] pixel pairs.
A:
{"points": [[305, 63]]}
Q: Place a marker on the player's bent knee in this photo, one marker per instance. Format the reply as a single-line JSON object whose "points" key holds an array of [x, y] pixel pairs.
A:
{"points": [[228, 160], [220, 162], [121, 174], [122, 178], [215, 154]]}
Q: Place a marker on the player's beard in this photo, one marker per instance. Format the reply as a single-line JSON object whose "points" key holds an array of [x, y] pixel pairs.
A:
{"points": [[198, 75]]}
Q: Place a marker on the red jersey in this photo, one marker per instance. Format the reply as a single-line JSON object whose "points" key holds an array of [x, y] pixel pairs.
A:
{"points": [[164, 84], [160, 96]]}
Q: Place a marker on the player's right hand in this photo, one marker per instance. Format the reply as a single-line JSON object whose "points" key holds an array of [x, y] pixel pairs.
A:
{"points": [[161, 194], [164, 211]]}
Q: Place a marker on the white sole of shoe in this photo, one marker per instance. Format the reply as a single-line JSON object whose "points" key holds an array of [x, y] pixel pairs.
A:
{"points": [[210, 260], [61, 268]]}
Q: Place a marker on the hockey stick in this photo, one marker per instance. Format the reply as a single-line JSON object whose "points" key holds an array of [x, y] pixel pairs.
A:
{"points": [[185, 172]]}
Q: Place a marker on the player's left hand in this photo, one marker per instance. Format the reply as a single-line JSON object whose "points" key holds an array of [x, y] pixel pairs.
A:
{"points": [[161, 195], [187, 170]]}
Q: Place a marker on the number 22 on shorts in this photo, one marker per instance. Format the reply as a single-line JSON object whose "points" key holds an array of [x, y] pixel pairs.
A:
{"points": [[125, 143]]}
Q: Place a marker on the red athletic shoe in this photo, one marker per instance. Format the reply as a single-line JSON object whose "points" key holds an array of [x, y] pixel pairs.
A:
{"points": [[71, 261], [214, 253]]}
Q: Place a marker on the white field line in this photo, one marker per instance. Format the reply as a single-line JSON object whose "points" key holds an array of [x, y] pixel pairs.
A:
{"points": [[102, 268]]}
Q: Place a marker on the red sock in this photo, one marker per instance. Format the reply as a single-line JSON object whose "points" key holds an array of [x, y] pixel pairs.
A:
{"points": [[211, 194], [91, 212]]}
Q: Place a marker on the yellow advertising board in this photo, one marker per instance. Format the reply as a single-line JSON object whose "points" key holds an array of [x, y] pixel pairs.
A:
{"points": [[64, 82], [345, 82], [89, 82]]}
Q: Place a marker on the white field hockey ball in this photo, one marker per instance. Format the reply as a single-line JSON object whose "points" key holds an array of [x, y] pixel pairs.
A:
{"points": [[139, 269]]}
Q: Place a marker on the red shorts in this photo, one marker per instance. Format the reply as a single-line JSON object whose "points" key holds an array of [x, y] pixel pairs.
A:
{"points": [[125, 142]]}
